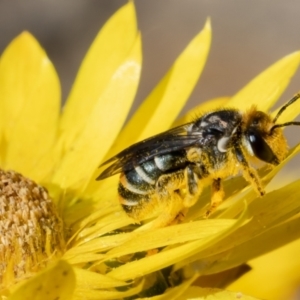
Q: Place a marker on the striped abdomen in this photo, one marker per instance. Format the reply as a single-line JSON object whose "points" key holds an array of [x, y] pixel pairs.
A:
{"points": [[137, 186]]}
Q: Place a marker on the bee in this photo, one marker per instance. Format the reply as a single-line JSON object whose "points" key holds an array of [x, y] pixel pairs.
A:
{"points": [[170, 169]]}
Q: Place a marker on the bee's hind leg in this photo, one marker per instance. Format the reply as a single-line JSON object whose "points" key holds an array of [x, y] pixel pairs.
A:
{"points": [[193, 188], [169, 199], [170, 215], [176, 206], [190, 178], [217, 196]]}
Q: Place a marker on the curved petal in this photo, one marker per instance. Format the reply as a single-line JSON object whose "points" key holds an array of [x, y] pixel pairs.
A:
{"points": [[30, 104], [198, 293], [172, 255], [266, 88], [56, 282], [176, 292], [171, 235], [103, 124], [162, 106], [87, 279], [108, 51], [284, 274], [270, 212]]}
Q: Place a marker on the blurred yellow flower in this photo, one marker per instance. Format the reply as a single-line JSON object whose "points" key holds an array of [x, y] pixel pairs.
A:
{"points": [[90, 249]]}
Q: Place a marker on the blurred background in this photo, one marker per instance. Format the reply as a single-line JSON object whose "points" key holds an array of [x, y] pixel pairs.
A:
{"points": [[248, 36]]}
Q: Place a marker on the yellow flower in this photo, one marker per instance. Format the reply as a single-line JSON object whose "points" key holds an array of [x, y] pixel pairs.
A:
{"points": [[82, 245]]}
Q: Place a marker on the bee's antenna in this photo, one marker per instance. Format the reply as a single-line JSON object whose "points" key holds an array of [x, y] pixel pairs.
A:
{"points": [[284, 124], [283, 108]]}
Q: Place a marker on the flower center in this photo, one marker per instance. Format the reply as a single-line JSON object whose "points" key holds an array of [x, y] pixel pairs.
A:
{"points": [[31, 230]]}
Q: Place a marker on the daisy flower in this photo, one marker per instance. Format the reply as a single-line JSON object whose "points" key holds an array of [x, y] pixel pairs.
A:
{"points": [[64, 234]]}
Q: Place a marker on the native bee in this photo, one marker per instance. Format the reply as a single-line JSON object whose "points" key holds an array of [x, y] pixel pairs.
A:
{"points": [[170, 168]]}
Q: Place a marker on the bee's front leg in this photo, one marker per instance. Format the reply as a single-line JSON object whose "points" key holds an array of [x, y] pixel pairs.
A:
{"points": [[249, 173]]}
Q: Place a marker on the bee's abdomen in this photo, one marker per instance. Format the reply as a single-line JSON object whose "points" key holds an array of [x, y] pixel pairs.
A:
{"points": [[137, 186]]}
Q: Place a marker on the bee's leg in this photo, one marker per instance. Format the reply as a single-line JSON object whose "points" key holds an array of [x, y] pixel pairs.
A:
{"points": [[193, 191], [166, 187], [249, 173], [192, 176], [172, 208], [217, 196], [172, 212]]}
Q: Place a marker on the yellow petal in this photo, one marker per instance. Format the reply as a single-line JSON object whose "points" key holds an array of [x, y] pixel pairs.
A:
{"points": [[162, 106], [83, 258], [269, 240], [270, 280], [103, 124], [107, 53], [95, 294], [197, 293], [171, 235], [268, 230], [108, 223], [174, 292], [30, 104], [170, 256], [88, 279], [236, 199], [56, 282], [268, 86], [240, 246]]}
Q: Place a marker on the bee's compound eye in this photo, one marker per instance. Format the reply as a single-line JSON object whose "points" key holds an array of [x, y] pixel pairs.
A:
{"points": [[261, 149]]}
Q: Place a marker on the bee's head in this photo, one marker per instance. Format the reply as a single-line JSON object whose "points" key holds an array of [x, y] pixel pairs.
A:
{"points": [[264, 138]]}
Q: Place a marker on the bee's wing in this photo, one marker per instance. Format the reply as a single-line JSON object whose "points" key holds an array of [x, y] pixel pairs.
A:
{"points": [[169, 141]]}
